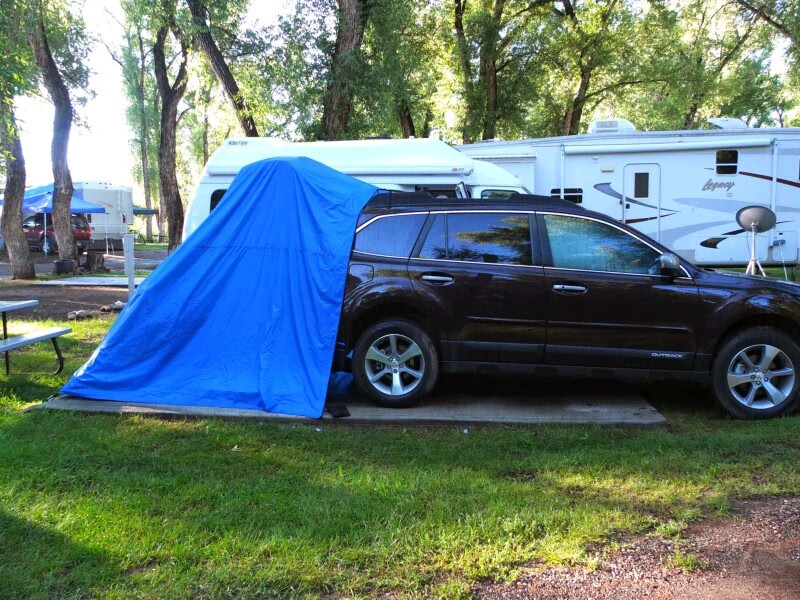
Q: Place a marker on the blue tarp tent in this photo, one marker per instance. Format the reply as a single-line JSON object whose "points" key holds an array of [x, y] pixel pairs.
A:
{"points": [[40, 200], [245, 313]]}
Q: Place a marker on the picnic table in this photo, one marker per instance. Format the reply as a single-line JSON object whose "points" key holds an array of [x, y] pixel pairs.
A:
{"points": [[51, 333]]}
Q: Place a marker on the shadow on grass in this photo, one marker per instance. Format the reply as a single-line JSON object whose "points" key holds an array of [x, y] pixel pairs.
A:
{"points": [[36, 561]]}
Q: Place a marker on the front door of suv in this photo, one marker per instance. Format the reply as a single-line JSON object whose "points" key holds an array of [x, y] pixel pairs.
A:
{"points": [[607, 306], [478, 266]]}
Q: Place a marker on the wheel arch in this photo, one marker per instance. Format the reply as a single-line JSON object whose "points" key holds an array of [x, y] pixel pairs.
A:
{"points": [[395, 310], [775, 321]]}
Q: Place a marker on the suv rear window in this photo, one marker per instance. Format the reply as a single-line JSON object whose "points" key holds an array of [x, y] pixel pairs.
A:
{"points": [[497, 238], [390, 236], [79, 222]]}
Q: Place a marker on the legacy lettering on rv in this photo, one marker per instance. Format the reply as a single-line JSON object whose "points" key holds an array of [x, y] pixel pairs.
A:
{"points": [[711, 186]]}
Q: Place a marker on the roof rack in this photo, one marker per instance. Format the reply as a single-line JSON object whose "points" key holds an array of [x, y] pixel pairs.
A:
{"points": [[390, 199]]}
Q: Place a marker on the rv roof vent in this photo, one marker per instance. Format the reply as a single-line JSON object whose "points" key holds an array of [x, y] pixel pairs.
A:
{"points": [[727, 123], [611, 126]]}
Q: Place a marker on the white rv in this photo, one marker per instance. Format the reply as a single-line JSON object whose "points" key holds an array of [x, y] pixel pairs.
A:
{"points": [[404, 165], [683, 188], [109, 227]]}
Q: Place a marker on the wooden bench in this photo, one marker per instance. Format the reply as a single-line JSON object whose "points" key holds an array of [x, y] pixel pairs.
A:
{"points": [[51, 333]]}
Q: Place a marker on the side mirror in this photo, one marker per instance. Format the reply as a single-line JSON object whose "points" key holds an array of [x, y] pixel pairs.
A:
{"points": [[669, 265]]}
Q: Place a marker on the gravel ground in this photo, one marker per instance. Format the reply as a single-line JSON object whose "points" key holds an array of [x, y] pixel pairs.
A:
{"points": [[754, 555], [56, 301]]}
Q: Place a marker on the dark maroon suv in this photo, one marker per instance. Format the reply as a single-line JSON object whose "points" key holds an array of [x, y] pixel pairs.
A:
{"points": [[536, 285]]}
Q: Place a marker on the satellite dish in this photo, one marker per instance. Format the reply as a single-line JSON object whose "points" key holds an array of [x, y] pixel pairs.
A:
{"points": [[756, 218]]}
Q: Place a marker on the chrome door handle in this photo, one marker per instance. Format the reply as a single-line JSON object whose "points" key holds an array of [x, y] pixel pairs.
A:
{"points": [[574, 290], [437, 278]]}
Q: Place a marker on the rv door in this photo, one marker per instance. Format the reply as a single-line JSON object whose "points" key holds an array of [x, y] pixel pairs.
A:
{"points": [[641, 197]]}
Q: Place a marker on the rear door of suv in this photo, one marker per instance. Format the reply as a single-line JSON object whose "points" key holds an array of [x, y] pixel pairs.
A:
{"points": [[482, 268], [607, 306]]}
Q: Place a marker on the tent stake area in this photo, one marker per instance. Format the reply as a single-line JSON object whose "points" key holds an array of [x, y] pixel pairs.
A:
{"points": [[614, 404]]}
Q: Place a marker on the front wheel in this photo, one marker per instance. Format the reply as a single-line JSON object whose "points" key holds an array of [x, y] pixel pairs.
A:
{"points": [[755, 374], [395, 363]]}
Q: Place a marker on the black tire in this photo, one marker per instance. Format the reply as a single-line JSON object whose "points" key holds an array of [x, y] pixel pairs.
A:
{"points": [[765, 385], [50, 247], [425, 363]]}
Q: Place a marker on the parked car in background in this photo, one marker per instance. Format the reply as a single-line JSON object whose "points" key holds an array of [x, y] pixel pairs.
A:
{"points": [[33, 227], [538, 285]]}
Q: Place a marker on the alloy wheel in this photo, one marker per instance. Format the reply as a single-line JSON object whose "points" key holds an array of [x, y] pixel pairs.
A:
{"points": [[761, 376], [394, 364]]}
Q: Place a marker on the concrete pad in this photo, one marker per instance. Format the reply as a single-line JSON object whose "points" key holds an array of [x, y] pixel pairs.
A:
{"points": [[615, 406], [93, 281]]}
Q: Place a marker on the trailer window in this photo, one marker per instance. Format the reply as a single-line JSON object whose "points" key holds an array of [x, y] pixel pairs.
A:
{"points": [[216, 196], [572, 194], [641, 185], [727, 162], [497, 194]]}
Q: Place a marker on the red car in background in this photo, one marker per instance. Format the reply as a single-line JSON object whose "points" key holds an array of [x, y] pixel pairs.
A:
{"points": [[37, 240]]}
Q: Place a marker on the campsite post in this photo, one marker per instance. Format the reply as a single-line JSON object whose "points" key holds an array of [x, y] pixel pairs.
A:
{"points": [[127, 250]]}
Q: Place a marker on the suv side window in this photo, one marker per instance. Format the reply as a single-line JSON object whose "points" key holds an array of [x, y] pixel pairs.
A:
{"points": [[588, 245], [496, 238], [393, 235]]}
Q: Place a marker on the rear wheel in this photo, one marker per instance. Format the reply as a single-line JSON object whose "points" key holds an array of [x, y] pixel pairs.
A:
{"points": [[755, 374], [395, 363]]}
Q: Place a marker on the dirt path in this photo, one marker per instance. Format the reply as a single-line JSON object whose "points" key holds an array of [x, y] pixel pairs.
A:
{"points": [[56, 301], [752, 556]]}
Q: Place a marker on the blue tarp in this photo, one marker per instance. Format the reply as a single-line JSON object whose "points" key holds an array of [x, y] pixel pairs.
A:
{"points": [[245, 313], [40, 200]]}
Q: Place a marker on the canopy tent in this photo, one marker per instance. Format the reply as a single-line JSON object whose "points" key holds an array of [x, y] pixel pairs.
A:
{"points": [[40, 200], [245, 313]]}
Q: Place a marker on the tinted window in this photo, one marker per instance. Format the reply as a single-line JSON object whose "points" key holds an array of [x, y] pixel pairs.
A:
{"points": [[79, 222], [727, 162], [489, 238], [641, 185], [390, 236], [435, 245], [29, 222], [588, 245], [216, 196]]}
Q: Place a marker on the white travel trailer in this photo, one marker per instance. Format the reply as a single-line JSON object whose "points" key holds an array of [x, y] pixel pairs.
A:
{"points": [[408, 165], [109, 227], [682, 188]]}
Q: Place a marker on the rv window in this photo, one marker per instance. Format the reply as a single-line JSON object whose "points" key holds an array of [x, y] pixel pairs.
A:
{"points": [[390, 236], [497, 194], [501, 238], [572, 194], [641, 185], [727, 162], [216, 196], [438, 193]]}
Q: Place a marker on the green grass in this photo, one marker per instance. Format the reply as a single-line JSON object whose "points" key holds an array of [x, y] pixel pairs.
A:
{"points": [[112, 507], [150, 246]]}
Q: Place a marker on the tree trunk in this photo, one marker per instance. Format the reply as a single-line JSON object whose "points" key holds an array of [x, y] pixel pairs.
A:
{"points": [[62, 123], [489, 76], [220, 68], [691, 115], [144, 140], [171, 95], [18, 253], [337, 107], [460, 7], [572, 118], [406, 119]]}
